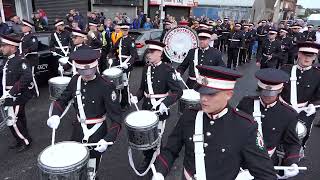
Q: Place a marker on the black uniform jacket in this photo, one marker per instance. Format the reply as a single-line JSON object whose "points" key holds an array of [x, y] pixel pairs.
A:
{"points": [[230, 141], [278, 127]]}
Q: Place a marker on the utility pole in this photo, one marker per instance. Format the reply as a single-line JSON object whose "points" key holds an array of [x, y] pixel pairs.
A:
{"points": [[161, 14]]}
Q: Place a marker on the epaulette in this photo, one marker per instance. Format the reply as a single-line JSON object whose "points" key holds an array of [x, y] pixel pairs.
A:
{"points": [[288, 107], [243, 115]]}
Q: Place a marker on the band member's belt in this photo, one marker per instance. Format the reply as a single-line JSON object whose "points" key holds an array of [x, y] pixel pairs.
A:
{"points": [[31, 53], [299, 105], [155, 95], [124, 56], [63, 47], [193, 78], [234, 40], [266, 54], [225, 32], [93, 120], [261, 35]]}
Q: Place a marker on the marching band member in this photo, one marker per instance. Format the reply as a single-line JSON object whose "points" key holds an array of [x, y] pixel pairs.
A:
{"points": [[262, 32], [59, 43], [226, 29], [253, 34], [167, 27], [204, 55], [218, 140], [29, 48], [159, 86], [270, 51], [95, 101], [296, 36], [286, 45], [94, 36], [126, 55], [302, 92], [17, 90], [277, 122], [236, 41], [310, 34]]}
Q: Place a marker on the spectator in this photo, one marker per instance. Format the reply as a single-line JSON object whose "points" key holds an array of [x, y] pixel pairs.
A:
{"points": [[156, 22], [147, 25], [75, 17], [135, 23], [16, 26], [4, 28], [40, 24], [43, 15], [142, 19], [116, 20], [125, 18], [75, 25], [108, 26], [116, 35]]}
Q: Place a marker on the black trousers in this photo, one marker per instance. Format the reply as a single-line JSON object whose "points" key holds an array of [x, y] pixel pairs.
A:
{"points": [[124, 97], [242, 56], [249, 52], [307, 121], [21, 131], [232, 57]]}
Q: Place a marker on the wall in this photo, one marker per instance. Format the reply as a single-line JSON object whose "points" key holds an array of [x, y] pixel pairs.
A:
{"points": [[234, 13], [110, 10]]}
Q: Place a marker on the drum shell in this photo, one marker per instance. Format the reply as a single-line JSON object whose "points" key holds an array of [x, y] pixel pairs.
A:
{"points": [[187, 104], [143, 138], [117, 80], [302, 131], [56, 89], [76, 171], [3, 115]]}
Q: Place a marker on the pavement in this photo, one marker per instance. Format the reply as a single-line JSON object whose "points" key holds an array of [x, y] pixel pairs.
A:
{"points": [[114, 166]]}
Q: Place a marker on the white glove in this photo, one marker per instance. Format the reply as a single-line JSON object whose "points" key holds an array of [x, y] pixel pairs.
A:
{"points": [[244, 175], [179, 76], [102, 146], [134, 99], [92, 35], [310, 110], [288, 173], [163, 109], [7, 95], [63, 60], [158, 176], [53, 122], [13, 119], [124, 65]]}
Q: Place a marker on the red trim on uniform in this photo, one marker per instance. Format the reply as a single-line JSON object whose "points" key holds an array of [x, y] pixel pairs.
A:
{"points": [[215, 87], [293, 156], [116, 125], [164, 162], [218, 78], [230, 74], [57, 104], [287, 106], [268, 149], [242, 115]]}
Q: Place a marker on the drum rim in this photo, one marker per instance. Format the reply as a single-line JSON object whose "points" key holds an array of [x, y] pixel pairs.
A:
{"points": [[141, 147], [66, 169], [113, 76], [64, 77], [149, 126]]}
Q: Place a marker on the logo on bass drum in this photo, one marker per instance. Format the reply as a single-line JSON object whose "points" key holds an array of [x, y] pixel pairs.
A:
{"points": [[42, 67]]}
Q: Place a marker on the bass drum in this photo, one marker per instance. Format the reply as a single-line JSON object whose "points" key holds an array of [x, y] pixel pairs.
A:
{"points": [[179, 41]]}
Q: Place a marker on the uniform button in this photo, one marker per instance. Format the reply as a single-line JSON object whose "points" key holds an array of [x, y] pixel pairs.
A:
{"points": [[190, 138], [299, 77], [158, 80], [92, 102], [85, 83], [265, 109], [83, 105], [84, 90], [297, 83], [205, 145], [263, 116], [208, 133], [223, 150], [83, 97], [308, 85], [273, 129], [211, 123]]}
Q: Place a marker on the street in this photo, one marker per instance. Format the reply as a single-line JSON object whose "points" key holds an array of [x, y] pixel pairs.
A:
{"points": [[115, 166]]}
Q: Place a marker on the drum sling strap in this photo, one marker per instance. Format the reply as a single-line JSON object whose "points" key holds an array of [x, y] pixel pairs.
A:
{"points": [[195, 63], [34, 82], [198, 147], [65, 52], [293, 88], [86, 132], [155, 103]]}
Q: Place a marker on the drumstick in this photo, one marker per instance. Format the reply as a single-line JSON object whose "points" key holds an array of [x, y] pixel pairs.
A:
{"points": [[135, 104], [96, 144], [184, 83], [288, 168], [53, 136]]}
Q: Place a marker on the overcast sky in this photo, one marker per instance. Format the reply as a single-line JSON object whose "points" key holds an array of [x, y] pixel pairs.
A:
{"points": [[309, 3]]}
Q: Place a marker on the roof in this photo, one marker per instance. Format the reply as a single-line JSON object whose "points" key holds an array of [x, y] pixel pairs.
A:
{"points": [[314, 17], [242, 3]]}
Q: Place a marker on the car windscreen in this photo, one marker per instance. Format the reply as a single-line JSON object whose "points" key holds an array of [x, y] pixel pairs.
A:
{"points": [[136, 35]]}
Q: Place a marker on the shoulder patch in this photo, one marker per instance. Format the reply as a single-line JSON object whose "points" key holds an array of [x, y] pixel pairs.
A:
{"points": [[113, 96], [24, 66], [243, 115], [259, 141]]}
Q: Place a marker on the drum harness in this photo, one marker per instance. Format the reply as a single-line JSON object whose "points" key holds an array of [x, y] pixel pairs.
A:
{"points": [[11, 110], [195, 63], [62, 48], [32, 68], [161, 126]]}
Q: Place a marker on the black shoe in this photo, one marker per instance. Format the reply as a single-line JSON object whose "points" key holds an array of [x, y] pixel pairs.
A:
{"points": [[23, 148], [15, 145]]}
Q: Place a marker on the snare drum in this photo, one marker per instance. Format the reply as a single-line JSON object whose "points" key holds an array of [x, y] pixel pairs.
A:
{"points": [[301, 130], [189, 99], [115, 75], [142, 128], [64, 160], [57, 85]]}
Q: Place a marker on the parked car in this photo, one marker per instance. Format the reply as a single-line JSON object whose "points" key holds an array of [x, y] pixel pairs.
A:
{"points": [[140, 36]]}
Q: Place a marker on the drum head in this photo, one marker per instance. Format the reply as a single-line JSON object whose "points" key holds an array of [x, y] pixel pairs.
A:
{"points": [[141, 119], [63, 154], [190, 94], [112, 72], [179, 41], [60, 80]]}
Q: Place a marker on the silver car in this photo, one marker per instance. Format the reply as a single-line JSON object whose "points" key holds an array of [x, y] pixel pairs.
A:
{"points": [[141, 35]]}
